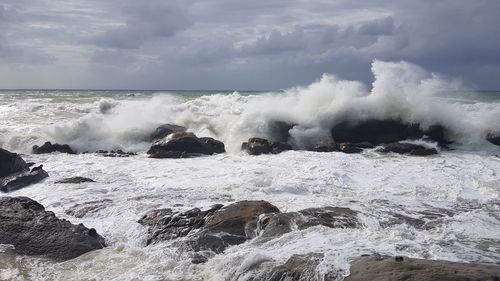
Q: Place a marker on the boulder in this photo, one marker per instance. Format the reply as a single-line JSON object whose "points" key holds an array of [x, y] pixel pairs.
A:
{"points": [[326, 146], [8, 184], [279, 147], [165, 130], [493, 138], [11, 163], [377, 268], [48, 147], [75, 180], [187, 144], [215, 145], [26, 225], [257, 146]]}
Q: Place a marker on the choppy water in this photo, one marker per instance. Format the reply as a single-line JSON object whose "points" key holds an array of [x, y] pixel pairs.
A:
{"points": [[461, 186]]}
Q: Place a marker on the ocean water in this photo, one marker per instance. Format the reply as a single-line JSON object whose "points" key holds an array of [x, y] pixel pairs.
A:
{"points": [[460, 186]]}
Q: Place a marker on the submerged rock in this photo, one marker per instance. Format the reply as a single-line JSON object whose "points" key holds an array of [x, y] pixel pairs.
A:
{"points": [[403, 268], [348, 148], [279, 147], [408, 148], [48, 147], [165, 130], [75, 180], [493, 138], [8, 184], [26, 225], [11, 163], [326, 146], [83, 209], [298, 268]]}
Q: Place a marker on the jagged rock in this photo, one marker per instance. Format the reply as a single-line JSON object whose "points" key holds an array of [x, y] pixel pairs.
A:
{"points": [[48, 147], [326, 146], [377, 268], [75, 180], [11, 163], [215, 145], [26, 225], [257, 146], [493, 138], [279, 147], [81, 210], [8, 184], [165, 130]]}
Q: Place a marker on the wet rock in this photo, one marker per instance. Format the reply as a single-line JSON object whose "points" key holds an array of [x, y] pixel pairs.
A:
{"points": [[75, 180], [257, 146], [404, 268], [48, 147], [279, 131], [11, 163], [299, 268], [179, 135], [12, 183], [424, 152], [83, 209], [437, 133], [170, 154], [493, 138], [26, 225], [279, 147], [334, 217], [115, 153], [373, 131], [187, 144], [348, 148], [326, 146], [363, 145], [215, 145], [165, 130]]}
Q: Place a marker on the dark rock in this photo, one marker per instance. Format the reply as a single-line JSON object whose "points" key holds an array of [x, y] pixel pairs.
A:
{"points": [[424, 152], [186, 144], [373, 131], [48, 147], [117, 153], [8, 184], [326, 146], [299, 268], [359, 144], [81, 210], [401, 148], [170, 154], [11, 163], [215, 145], [409, 269], [348, 148], [179, 135], [278, 131], [75, 180], [165, 130], [437, 133], [334, 217], [279, 147], [197, 259], [493, 138], [26, 225], [257, 146]]}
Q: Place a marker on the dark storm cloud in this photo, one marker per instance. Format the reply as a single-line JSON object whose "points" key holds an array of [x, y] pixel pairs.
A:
{"points": [[241, 44]]}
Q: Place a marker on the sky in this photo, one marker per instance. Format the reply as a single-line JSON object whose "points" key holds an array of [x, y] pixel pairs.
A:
{"points": [[238, 45]]}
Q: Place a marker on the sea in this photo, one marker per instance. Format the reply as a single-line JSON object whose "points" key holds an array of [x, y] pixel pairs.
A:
{"points": [[456, 192]]}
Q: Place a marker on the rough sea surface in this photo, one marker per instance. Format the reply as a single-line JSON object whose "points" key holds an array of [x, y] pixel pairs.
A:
{"points": [[456, 192]]}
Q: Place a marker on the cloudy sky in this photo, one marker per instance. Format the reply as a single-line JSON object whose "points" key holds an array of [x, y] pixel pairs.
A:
{"points": [[233, 44]]}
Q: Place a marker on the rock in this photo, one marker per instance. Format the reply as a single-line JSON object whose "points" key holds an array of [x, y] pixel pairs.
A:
{"points": [[186, 144], [75, 180], [279, 147], [170, 154], [49, 148], [82, 210], [359, 144], [11, 163], [115, 153], [373, 131], [409, 269], [334, 217], [213, 229], [179, 135], [348, 148], [424, 152], [257, 146], [326, 146], [408, 148], [215, 145], [493, 138], [165, 130], [437, 133], [8, 184], [299, 268], [278, 131], [26, 225]]}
